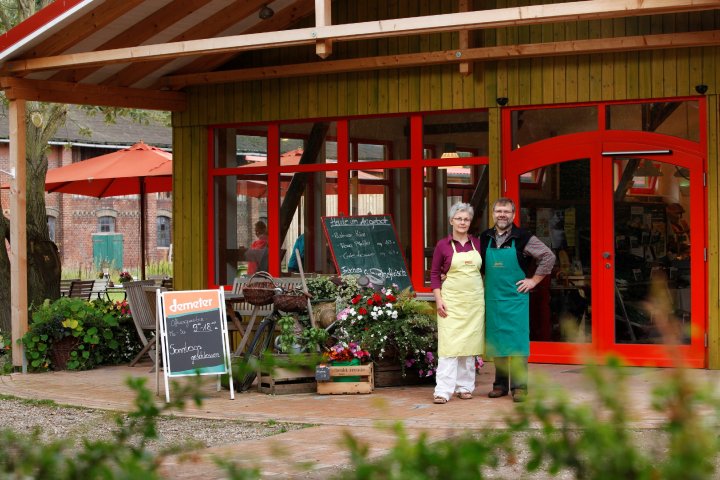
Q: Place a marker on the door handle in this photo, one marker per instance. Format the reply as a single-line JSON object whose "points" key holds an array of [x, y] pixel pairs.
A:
{"points": [[606, 255]]}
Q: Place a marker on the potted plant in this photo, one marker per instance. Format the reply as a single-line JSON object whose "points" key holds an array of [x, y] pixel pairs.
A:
{"points": [[392, 326], [295, 338], [347, 354], [77, 334], [125, 276]]}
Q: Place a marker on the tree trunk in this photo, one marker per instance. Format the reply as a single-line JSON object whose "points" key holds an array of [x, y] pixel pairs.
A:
{"points": [[43, 121]]}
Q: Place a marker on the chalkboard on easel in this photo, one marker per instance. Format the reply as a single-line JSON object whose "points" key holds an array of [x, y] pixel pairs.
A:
{"points": [[367, 245], [193, 328]]}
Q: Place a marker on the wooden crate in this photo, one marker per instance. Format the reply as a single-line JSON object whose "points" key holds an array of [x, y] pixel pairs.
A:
{"points": [[388, 373], [365, 385], [283, 381]]}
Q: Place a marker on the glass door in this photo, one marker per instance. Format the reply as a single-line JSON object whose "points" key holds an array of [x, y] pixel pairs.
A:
{"points": [[623, 212], [657, 253]]}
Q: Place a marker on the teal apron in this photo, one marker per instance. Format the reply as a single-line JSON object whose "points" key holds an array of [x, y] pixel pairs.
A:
{"points": [[507, 324]]}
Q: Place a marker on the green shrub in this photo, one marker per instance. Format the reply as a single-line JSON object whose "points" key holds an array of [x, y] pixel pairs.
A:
{"points": [[103, 329]]}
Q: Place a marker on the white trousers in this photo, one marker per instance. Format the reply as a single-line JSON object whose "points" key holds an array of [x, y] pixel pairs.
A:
{"points": [[454, 375]]}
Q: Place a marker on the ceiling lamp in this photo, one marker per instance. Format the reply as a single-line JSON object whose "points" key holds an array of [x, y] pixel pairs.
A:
{"points": [[266, 12], [450, 151], [648, 169]]}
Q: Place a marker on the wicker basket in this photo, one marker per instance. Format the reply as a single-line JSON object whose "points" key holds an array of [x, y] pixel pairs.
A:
{"points": [[291, 301], [59, 352], [260, 289]]}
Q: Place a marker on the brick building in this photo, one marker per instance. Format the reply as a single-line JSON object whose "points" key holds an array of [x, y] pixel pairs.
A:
{"points": [[86, 228]]}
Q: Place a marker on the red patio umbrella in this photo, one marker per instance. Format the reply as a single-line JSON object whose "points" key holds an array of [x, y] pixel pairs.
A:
{"points": [[135, 170]]}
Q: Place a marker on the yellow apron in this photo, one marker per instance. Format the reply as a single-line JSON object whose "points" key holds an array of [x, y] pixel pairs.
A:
{"points": [[462, 332]]}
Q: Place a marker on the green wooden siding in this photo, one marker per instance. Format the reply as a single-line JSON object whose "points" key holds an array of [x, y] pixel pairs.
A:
{"points": [[552, 80]]}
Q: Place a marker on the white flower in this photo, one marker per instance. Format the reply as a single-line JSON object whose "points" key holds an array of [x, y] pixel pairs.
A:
{"points": [[359, 317], [394, 315]]}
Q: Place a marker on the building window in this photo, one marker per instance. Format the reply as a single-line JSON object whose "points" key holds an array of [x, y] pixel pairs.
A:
{"points": [[163, 231], [51, 221], [106, 224]]}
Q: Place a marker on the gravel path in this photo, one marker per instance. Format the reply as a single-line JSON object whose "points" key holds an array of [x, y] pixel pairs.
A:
{"points": [[63, 422]]}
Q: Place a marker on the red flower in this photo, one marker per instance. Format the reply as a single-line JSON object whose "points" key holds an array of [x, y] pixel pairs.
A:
{"points": [[370, 301], [377, 297], [391, 298], [362, 310], [356, 299]]}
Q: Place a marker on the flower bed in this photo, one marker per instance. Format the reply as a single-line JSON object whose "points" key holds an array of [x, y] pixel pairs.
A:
{"points": [[392, 326]]}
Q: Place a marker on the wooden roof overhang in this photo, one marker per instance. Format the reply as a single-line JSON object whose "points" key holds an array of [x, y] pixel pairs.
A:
{"points": [[142, 53]]}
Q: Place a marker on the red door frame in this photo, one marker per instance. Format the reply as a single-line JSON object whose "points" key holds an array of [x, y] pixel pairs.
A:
{"points": [[592, 145]]}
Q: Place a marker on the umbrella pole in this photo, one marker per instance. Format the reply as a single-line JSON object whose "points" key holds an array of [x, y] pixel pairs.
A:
{"points": [[142, 228]]}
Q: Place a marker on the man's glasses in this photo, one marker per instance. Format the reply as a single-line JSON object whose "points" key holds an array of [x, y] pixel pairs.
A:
{"points": [[462, 220]]}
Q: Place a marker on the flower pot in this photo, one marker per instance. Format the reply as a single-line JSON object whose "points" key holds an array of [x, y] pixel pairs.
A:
{"points": [[59, 352], [346, 363]]}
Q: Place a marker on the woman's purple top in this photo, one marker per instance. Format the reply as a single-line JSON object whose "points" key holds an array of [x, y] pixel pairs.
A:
{"points": [[442, 257]]}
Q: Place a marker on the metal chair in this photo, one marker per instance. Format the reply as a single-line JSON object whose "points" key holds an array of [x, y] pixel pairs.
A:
{"points": [[143, 315]]}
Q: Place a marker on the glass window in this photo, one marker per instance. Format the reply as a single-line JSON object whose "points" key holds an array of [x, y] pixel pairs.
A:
{"points": [[308, 143], [163, 231], [377, 139], [455, 135], [241, 224], [51, 222], [529, 126], [245, 147], [445, 186], [305, 197], [106, 224], [678, 119]]}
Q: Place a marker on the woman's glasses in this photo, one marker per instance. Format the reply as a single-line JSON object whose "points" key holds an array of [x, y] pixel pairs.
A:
{"points": [[462, 219]]}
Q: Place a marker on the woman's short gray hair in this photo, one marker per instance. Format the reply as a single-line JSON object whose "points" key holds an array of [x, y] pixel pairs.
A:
{"points": [[461, 207]]}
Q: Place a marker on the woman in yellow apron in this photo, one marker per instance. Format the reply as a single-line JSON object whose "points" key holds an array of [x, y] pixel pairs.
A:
{"points": [[460, 302]]}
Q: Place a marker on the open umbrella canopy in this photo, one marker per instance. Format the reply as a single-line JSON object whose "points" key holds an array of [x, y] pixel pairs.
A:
{"points": [[139, 169], [118, 173]]}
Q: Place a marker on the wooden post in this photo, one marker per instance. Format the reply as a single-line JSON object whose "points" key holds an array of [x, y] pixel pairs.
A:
{"points": [[464, 40], [18, 232]]}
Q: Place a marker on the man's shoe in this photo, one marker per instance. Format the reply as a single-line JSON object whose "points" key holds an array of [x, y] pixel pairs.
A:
{"points": [[497, 393], [519, 396]]}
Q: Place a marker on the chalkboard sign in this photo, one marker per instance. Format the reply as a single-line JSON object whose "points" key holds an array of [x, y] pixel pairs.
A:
{"points": [[194, 333], [367, 245]]}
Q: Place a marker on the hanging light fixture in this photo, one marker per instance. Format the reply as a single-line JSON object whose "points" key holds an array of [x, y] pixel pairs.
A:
{"points": [[648, 169], [682, 172], [450, 151], [266, 12]]}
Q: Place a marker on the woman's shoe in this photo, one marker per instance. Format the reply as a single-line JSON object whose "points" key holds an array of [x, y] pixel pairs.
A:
{"points": [[440, 400], [464, 395]]}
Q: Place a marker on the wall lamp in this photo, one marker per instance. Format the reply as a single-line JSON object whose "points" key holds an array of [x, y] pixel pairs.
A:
{"points": [[502, 101], [266, 12], [701, 88]]}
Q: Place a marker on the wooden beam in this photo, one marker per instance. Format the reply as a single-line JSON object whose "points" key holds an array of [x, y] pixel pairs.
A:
{"points": [[18, 232], [280, 21], [213, 25], [505, 52], [83, 94], [139, 32], [502, 17], [465, 68], [83, 27], [323, 18]]}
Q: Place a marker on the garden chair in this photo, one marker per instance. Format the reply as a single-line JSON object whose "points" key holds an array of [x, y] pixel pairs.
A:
{"points": [[81, 289], [100, 288], [167, 283], [143, 315], [65, 285]]}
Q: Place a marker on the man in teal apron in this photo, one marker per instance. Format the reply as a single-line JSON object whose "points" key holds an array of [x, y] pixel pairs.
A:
{"points": [[507, 252]]}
